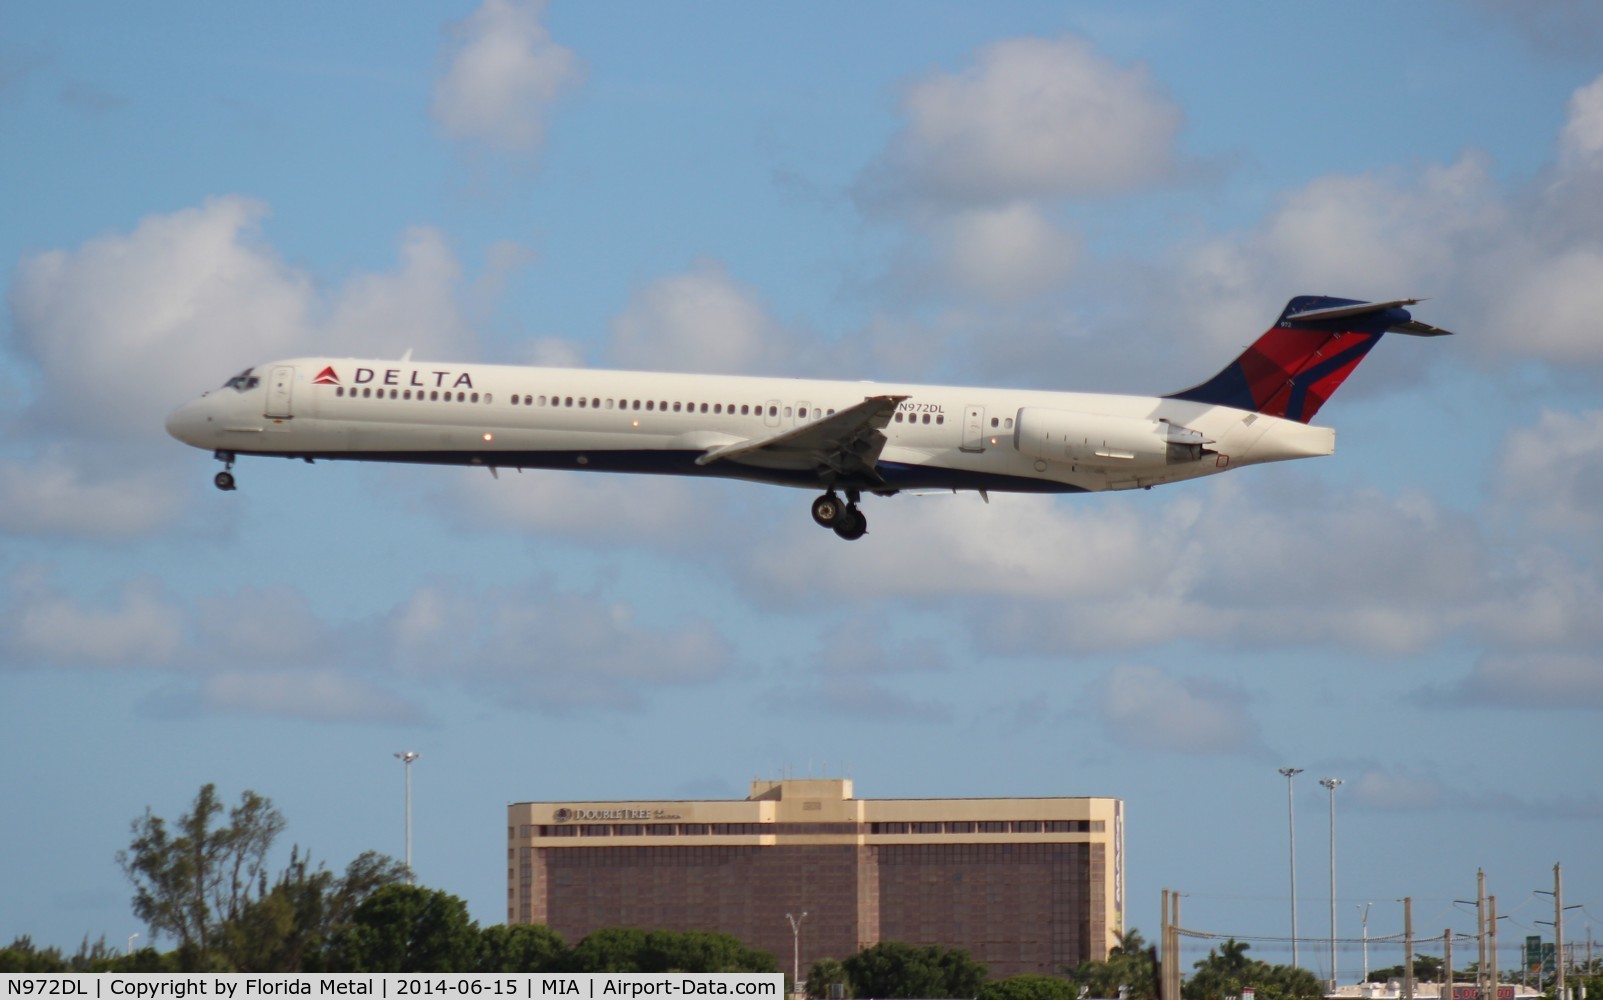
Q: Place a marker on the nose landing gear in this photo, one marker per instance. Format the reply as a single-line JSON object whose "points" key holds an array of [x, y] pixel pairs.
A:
{"points": [[844, 519], [225, 480]]}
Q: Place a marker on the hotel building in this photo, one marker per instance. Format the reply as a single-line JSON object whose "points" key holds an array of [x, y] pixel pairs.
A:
{"points": [[1024, 885]]}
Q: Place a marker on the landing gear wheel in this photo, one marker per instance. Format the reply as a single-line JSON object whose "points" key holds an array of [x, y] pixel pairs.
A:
{"points": [[224, 481], [852, 524], [828, 510]]}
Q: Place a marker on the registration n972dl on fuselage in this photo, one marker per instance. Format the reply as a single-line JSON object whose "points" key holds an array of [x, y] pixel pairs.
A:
{"points": [[843, 438]]}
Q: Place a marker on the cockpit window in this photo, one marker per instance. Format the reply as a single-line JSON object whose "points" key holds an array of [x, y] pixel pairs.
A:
{"points": [[243, 381]]}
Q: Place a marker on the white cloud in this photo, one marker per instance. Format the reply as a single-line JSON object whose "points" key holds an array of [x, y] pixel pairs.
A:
{"points": [[1008, 252], [418, 307], [51, 495], [124, 328], [129, 325], [1581, 141], [1397, 790], [503, 74], [1552, 474], [1148, 708], [317, 695], [1534, 679], [548, 650], [701, 320], [39, 624], [1030, 118]]}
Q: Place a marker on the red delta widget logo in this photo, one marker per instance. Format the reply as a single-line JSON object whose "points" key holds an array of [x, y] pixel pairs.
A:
{"points": [[415, 378]]}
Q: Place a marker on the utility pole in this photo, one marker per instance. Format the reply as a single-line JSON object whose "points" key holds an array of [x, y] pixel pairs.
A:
{"points": [[1447, 964], [1408, 948], [1174, 934], [1491, 942], [1166, 955], [1558, 932], [1364, 919], [1291, 819], [1480, 934], [1558, 929], [1331, 783]]}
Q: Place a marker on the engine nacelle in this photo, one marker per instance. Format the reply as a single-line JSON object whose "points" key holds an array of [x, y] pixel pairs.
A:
{"points": [[1103, 441]]}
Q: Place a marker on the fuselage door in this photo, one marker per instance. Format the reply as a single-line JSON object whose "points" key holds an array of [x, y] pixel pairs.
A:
{"points": [[280, 389], [974, 428]]}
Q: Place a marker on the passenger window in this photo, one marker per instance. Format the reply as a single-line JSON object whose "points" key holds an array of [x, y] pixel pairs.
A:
{"points": [[773, 411], [595, 404], [745, 409], [609, 404], [651, 404], [676, 407], [993, 422], [581, 402], [926, 418], [704, 407], [475, 397], [787, 412], [1008, 423], [940, 418]]}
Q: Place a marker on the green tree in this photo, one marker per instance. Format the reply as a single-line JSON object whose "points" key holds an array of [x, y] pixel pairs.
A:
{"points": [[190, 882], [629, 949], [1030, 986], [290, 928], [407, 928], [611, 949], [1131, 965], [702, 951], [827, 973], [893, 969], [1227, 969], [521, 948]]}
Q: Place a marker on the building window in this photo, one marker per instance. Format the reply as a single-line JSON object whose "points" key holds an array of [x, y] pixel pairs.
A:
{"points": [[693, 829], [960, 827], [926, 827], [883, 828], [626, 830], [596, 830], [1027, 826]]}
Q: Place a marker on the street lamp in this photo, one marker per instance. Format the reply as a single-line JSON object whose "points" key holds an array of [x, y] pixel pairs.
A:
{"points": [[1291, 819], [129, 949], [406, 758], [795, 933], [1365, 911], [1331, 784]]}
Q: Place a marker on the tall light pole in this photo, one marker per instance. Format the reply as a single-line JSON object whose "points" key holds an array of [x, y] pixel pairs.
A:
{"points": [[1291, 819], [1331, 784], [1365, 911], [406, 758], [795, 934], [129, 950]]}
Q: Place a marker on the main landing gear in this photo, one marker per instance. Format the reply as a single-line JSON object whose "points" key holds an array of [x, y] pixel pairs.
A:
{"points": [[843, 518]]}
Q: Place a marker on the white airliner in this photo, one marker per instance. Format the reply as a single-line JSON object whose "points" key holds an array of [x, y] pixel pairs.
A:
{"points": [[845, 438]]}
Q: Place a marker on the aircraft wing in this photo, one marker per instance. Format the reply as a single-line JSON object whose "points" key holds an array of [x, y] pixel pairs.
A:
{"points": [[842, 446]]}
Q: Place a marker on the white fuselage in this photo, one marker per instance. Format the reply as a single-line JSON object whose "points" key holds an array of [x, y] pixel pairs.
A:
{"points": [[940, 437]]}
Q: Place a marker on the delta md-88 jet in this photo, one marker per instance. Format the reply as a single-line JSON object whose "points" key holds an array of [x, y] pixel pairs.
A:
{"points": [[843, 438]]}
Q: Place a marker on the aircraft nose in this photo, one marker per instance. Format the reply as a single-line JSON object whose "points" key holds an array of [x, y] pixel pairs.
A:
{"points": [[188, 423]]}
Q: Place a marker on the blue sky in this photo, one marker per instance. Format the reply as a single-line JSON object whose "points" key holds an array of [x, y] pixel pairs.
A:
{"points": [[1077, 196]]}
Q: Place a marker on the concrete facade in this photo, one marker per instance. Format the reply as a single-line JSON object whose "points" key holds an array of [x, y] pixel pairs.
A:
{"points": [[1024, 885]]}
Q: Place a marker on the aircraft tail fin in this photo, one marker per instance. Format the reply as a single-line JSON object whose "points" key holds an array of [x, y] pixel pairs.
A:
{"points": [[1303, 359]]}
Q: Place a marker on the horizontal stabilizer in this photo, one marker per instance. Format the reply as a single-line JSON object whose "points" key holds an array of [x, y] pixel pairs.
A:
{"points": [[1300, 361], [1410, 326]]}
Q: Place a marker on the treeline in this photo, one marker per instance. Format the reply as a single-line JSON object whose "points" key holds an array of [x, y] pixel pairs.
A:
{"points": [[404, 928]]}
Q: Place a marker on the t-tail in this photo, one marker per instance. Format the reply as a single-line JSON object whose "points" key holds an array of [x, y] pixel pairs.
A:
{"points": [[1305, 357]]}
